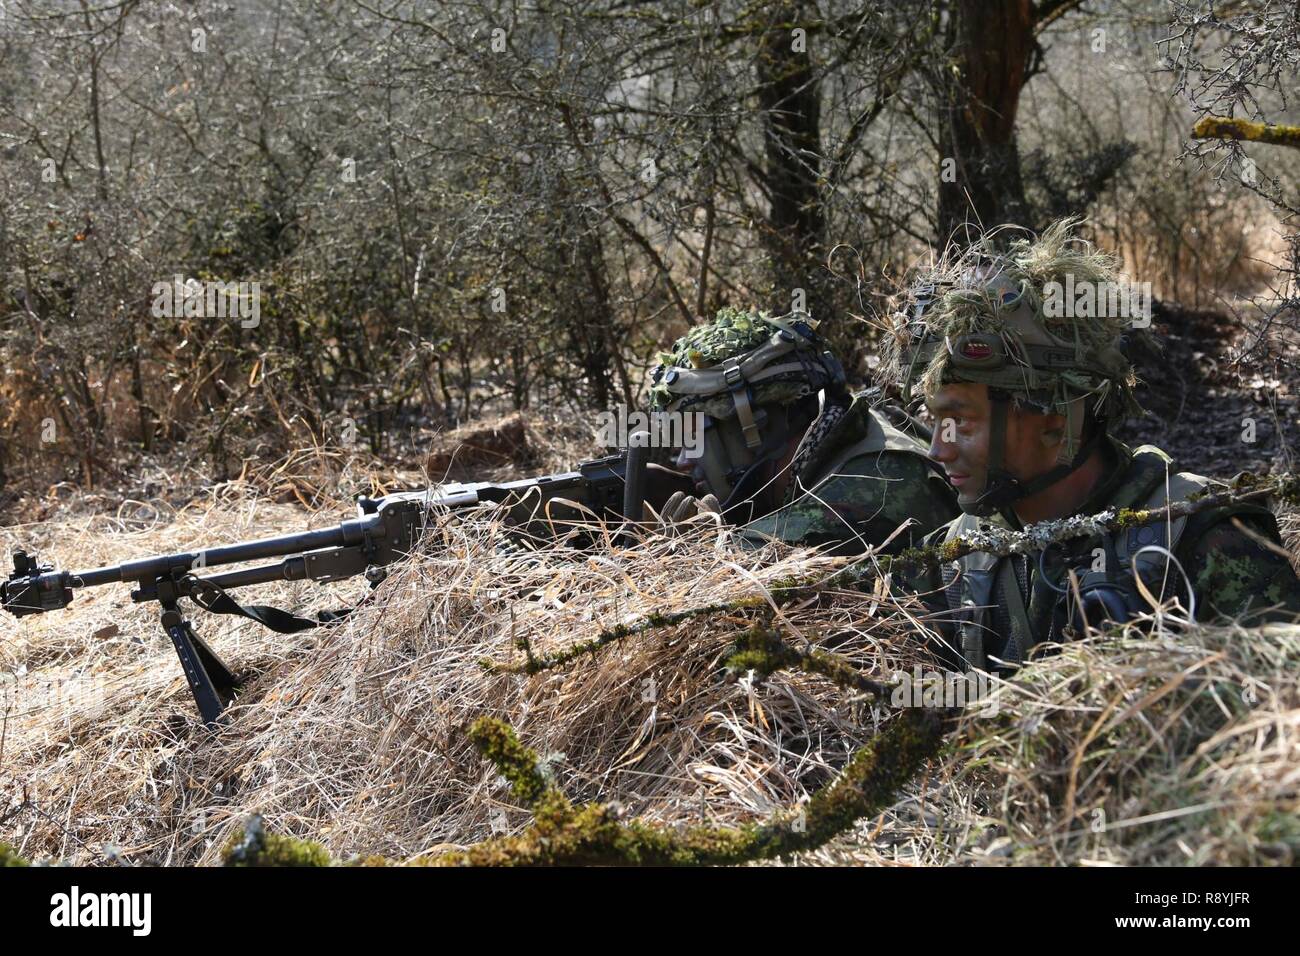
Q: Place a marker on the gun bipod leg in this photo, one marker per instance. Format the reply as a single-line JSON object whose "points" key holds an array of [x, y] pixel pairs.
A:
{"points": [[211, 682]]}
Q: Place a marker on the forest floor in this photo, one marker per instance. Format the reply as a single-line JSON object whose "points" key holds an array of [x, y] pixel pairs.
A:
{"points": [[1201, 403]]}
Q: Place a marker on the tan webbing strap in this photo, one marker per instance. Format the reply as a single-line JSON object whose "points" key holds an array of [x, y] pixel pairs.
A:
{"points": [[744, 410], [754, 369]]}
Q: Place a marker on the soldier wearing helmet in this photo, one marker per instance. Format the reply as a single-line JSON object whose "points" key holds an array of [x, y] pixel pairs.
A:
{"points": [[1024, 394], [831, 471]]}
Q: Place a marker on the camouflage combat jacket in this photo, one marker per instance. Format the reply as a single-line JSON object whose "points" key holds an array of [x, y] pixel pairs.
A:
{"points": [[866, 478], [1000, 607]]}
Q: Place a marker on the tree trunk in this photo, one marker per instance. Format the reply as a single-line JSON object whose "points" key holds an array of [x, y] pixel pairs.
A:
{"points": [[593, 331], [979, 164], [789, 96]]}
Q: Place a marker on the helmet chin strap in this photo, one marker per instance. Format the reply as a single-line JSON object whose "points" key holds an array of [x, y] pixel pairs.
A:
{"points": [[1001, 488]]}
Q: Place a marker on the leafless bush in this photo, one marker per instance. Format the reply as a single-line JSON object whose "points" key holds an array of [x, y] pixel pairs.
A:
{"points": [[1237, 68]]}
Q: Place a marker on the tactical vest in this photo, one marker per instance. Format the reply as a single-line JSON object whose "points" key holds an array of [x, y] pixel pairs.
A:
{"points": [[979, 585]]}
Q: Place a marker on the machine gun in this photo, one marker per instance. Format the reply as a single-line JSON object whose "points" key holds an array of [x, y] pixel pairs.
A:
{"points": [[385, 530]]}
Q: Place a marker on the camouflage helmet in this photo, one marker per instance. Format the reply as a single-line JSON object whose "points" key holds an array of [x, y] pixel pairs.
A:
{"points": [[746, 372], [744, 358], [1001, 319], [1006, 319]]}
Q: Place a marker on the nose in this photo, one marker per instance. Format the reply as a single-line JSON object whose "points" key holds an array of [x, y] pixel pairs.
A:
{"points": [[940, 450]]}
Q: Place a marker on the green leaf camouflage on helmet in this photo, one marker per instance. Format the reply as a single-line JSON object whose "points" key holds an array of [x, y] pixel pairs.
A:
{"points": [[982, 316], [777, 360], [754, 379]]}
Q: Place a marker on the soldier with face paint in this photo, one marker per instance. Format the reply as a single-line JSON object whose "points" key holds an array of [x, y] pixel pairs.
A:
{"points": [[835, 471], [1024, 395]]}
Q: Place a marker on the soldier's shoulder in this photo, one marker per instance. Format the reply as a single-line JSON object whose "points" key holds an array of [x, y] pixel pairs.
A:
{"points": [[901, 479], [1238, 563], [868, 428], [1168, 486], [1150, 480]]}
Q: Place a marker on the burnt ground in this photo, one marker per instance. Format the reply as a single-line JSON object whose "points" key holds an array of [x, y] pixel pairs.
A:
{"points": [[1199, 400]]}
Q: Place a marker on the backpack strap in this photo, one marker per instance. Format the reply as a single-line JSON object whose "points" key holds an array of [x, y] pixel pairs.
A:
{"points": [[969, 585], [1020, 636], [1152, 565]]}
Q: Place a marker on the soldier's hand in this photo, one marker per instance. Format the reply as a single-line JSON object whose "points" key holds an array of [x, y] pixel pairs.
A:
{"points": [[662, 483], [682, 512]]}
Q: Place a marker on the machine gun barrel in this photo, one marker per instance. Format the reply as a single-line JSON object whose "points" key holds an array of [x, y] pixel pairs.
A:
{"points": [[385, 530], [377, 536], [145, 569]]}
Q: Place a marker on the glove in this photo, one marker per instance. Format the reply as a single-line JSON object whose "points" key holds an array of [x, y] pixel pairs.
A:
{"points": [[682, 511], [661, 483]]}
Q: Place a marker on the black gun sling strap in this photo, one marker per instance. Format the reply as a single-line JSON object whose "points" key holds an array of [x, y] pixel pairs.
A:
{"points": [[213, 598]]}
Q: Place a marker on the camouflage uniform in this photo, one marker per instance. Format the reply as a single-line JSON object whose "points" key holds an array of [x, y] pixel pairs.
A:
{"points": [[863, 476], [866, 480], [999, 607]]}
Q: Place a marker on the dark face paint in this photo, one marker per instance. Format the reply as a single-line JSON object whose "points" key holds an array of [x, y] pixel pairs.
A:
{"points": [[963, 415], [960, 443]]}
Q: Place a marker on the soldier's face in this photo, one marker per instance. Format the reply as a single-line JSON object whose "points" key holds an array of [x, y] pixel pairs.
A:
{"points": [[962, 413], [770, 484]]}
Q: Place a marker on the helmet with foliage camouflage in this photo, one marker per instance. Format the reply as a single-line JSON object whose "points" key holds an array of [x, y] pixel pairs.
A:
{"points": [[777, 361], [744, 371], [999, 318]]}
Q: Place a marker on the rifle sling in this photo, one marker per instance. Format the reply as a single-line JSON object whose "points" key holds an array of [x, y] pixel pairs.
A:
{"points": [[212, 598]]}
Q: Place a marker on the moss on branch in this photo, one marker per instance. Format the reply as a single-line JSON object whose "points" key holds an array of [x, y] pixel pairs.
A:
{"points": [[592, 834], [9, 857], [1227, 127], [762, 650], [256, 847]]}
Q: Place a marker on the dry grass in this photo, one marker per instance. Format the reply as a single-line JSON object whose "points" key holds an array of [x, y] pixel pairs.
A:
{"points": [[1167, 748], [353, 734], [1132, 750]]}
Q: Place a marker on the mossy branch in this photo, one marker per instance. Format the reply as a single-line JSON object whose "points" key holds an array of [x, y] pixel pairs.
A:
{"points": [[652, 621], [256, 847], [1001, 542], [564, 835], [9, 857], [1226, 127], [762, 650], [497, 741]]}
